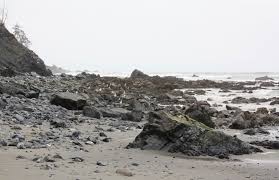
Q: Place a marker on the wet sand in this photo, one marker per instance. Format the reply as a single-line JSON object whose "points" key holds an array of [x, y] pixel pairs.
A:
{"points": [[143, 164]]}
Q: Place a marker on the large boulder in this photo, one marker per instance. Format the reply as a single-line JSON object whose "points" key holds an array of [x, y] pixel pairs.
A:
{"points": [[16, 58], [69, 100], [185, 135]]}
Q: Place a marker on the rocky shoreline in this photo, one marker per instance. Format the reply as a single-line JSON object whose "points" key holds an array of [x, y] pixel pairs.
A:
{"points": [[77, 113]]}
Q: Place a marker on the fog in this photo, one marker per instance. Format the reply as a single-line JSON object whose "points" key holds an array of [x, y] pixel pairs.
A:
{"points": [[152, 35]]}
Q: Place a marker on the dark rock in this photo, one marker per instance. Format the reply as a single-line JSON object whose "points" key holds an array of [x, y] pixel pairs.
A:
{"points": [[138, 74], [92, 112], [102, 134], [244, 120], [57, 123], [32, 94], [185, 135], [69, 101], [8, 72], [14, 57], [77, 159], [201, 114], [100, 163], [231, 108]]}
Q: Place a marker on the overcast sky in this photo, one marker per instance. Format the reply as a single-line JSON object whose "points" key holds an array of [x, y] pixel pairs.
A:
{"points": [[152, 35]]}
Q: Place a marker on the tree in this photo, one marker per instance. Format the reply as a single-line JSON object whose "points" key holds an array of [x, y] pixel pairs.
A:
{"points": [[21, 36], [3, 14]]}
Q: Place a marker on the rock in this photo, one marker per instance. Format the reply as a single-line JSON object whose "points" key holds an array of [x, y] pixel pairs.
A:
{"points": [[15, 58], [239, 100], [201, 114], [264, 78], [114, 112], [139, 106], [102, 134], [124, 172], [57, 123], [267, 144], [244, 120], [8, 72], [231, 108], [3, 104], [19, 118], [21, 145], [138, 74], [76, 134], [267, 84], [253, 132], [274, 102], [32, 94], [69, 101], [134, 116], [106, 140], [187, 136], [49, 159], [262, 110], [92, 112], [77, 159], [99, 163]]}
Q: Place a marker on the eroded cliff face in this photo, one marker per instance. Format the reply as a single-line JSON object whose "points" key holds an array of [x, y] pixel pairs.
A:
{"points": [[16, 58]]}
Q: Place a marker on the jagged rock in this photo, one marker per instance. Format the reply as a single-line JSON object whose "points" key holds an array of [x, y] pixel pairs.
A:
{"points": [[70, 101], [201, 114], [14, 57], [187, 136], [138, 74]]}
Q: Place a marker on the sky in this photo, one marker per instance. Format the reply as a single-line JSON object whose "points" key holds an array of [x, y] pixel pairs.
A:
{"points": [[152, 35]]}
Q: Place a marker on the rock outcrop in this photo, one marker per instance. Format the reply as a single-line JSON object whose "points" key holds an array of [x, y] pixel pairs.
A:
{"points": [[187, 136], [16, 58]]}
